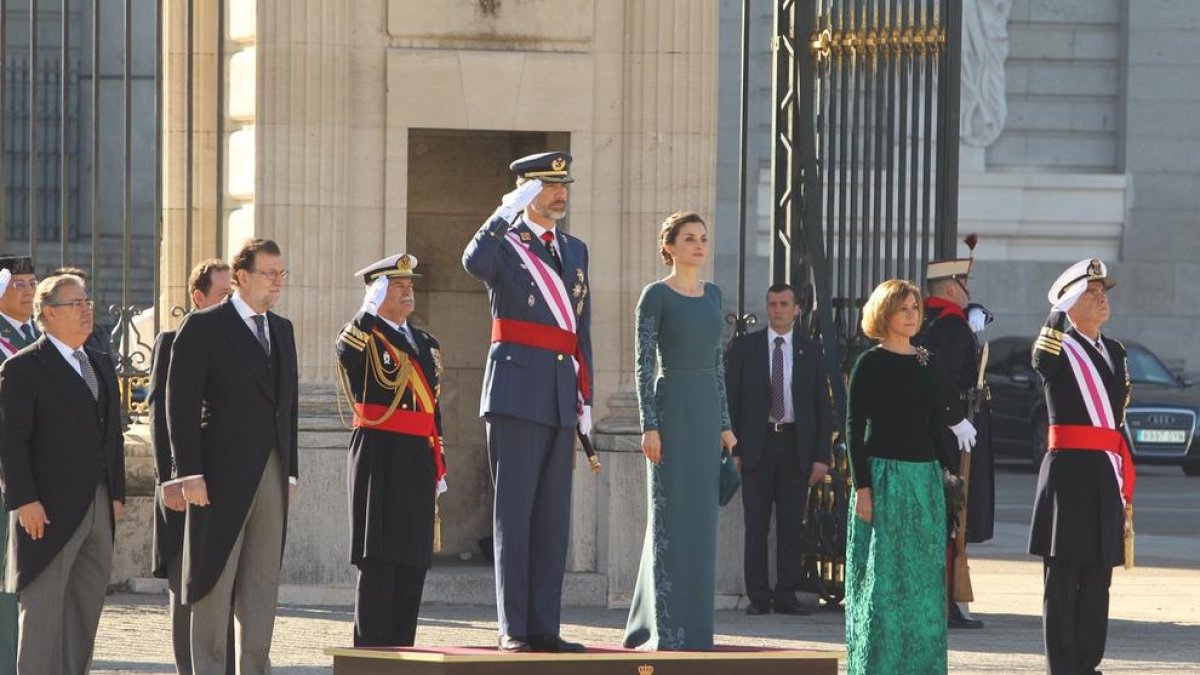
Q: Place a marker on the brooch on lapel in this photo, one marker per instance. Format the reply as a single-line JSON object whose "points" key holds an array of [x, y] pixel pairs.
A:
{"points": [[526, 237], [387, 358], [922, 356]]}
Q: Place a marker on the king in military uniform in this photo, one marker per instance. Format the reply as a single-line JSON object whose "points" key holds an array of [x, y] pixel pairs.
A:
{"points": [[536, 391], [1084, 495], [390, 374]]}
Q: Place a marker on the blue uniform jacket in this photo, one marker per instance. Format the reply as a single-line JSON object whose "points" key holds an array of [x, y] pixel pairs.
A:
{"points": [[527, 382]]}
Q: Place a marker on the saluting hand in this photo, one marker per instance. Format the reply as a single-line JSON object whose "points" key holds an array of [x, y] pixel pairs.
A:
{"points": [[514, 202], [32, 517], [195, 491], [5, 276]]}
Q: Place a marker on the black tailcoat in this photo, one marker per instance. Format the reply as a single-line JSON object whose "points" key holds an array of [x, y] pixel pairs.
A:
{"points": [[228, 406], [390, 476], [168, 524], [57, 444]]}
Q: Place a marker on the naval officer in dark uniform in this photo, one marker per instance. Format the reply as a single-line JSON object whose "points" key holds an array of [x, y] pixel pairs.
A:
{"points": [[391, 371], [1085, 486], [536, 390]]}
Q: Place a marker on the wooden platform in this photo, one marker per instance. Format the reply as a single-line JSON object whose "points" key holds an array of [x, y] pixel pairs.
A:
{"points": [[596, 661]]}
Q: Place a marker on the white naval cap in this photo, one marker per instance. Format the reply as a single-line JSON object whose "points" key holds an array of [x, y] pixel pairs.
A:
{"points": [[1091, 269], [399, 265]]}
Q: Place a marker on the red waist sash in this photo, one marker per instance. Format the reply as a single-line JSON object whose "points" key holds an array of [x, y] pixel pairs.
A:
{"points": [[408, 422], [543, 336], [1079, 437]]}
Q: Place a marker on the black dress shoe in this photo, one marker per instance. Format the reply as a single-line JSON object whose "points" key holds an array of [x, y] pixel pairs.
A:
{"points": [[791, 606], [514, 645], [958, 620], [555, 645], [757, 609]]}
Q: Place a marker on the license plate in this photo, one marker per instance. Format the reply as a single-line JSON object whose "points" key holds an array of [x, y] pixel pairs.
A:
{"points": [[1177, 436]]}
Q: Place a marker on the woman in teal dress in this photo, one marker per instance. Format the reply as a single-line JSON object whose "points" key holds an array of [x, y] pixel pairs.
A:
{"points": [[895, 554], [685, 423]]}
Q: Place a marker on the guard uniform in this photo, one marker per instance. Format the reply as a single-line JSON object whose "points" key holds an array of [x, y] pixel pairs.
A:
{"points": [[395, 467], [1086, 477], [12, 340]]}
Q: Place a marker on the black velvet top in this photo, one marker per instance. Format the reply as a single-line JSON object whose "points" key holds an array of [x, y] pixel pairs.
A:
{"points": [[894, 412]]}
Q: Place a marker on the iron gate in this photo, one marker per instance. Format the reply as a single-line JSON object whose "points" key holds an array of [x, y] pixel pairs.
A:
{"points": [[865, 178], [81, 154]]}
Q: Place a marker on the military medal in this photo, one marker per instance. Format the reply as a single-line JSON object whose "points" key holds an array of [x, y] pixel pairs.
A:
{"points": [[532, 300], [526, 237], [577, 290], [387, 359], [579, 308]]}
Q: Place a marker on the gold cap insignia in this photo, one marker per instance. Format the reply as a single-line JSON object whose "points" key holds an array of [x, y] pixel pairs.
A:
{"points": [[1094, 268], [558, 164], [646, 670], [405, 263]]}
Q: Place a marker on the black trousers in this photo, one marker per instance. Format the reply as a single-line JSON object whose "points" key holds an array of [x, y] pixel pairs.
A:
{"points": [[776, 482], [387, 601], [1075, 615]]}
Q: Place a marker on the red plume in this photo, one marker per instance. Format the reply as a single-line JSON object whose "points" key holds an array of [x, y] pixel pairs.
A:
{"points": [[970, 240]]}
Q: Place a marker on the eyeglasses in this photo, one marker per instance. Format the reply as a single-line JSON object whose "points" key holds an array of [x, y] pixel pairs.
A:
{"points": [[77, 304], [272, 275], [21, 285]]}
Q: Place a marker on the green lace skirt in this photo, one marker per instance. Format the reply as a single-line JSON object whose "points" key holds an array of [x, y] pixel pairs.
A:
{"points": [[896, 573]]}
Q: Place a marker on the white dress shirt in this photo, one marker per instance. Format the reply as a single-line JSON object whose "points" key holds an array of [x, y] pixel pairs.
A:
{"points": [[538, 230], [68, 354], [246, 312], [789, 414]]}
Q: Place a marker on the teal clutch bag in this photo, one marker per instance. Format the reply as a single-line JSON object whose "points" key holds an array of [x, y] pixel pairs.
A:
{"points": [[731, 480]]}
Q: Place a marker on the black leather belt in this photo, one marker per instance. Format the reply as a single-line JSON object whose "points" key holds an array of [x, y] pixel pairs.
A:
{"points": [[780, 427]]}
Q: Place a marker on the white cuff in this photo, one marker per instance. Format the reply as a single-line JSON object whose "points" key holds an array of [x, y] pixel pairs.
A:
{"points": [[182, 479]]}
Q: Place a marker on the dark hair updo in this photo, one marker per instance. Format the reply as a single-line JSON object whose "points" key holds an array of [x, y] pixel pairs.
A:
{"points": [[670, 230]]}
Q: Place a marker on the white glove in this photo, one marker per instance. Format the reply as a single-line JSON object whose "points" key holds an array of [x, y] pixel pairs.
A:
{"points": [[441, 486], [977, 319], [375, 294], [5, 276], [514, 202], [964, 431], [585, 420], [1067, 301]]}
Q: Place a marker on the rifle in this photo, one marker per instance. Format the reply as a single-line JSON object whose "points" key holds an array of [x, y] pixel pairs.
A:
{"points": [[963, 592]]}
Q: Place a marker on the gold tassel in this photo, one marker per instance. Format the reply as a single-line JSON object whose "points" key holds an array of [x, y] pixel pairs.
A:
{"points": [[1129, 536], [437, 527]]}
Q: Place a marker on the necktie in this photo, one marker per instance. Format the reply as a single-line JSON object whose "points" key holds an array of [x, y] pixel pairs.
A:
{"points": [[408, 337], [548, 239], [27, 331], [777, 410], [260, 331], [89, 375]]}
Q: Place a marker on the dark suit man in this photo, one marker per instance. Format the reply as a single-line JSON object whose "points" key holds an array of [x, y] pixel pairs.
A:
{"points": [[209, 284], [779, 403], [395, 467], [1086, 482], [64, 474], [17, 331], [232, 395], [536, 389]]}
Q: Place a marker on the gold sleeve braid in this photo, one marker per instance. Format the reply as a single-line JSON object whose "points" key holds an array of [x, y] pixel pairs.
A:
{"points": [[1049, 340]]}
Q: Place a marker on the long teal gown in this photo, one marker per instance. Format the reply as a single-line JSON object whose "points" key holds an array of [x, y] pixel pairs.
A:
{"points": [[673, 600]]}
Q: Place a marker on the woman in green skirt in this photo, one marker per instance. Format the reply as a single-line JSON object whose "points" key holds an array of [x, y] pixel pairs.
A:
{"points": [[895, 556]]}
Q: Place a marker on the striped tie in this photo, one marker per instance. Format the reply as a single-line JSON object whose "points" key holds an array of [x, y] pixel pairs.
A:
{"points": [[89, 375], [777, 409]]}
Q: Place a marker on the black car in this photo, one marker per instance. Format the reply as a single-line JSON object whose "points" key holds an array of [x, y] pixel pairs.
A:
{"points": [[1160, 420]]}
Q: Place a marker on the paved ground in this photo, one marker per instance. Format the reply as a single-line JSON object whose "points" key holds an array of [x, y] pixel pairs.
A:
{"points": [[1155, 626]]}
